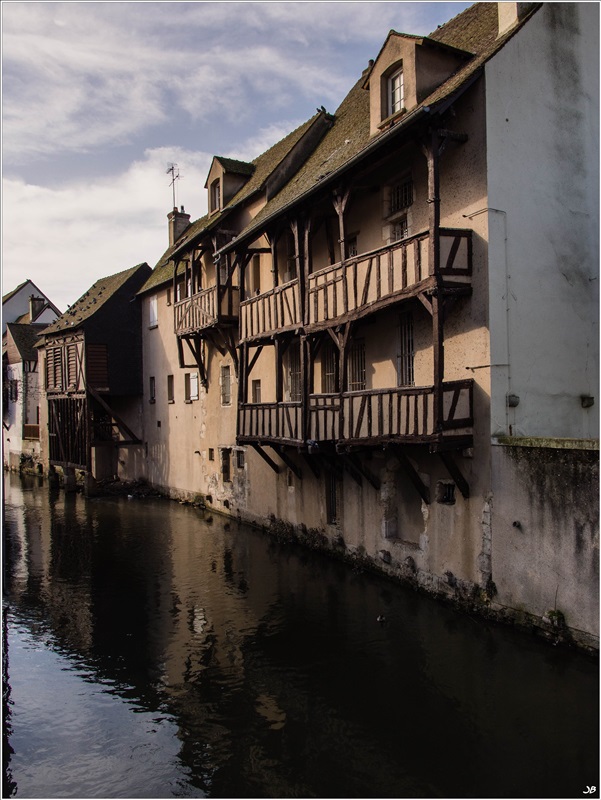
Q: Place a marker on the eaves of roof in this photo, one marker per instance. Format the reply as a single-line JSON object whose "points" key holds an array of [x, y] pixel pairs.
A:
{"points": [[92, 301], [263, 167], [307, 182]]}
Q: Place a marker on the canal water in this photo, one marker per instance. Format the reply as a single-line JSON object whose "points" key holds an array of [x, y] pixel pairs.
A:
{"points": [[151, 651]]}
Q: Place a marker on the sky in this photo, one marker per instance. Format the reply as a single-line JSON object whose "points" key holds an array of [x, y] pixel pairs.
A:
{"points": [[99, 98]]}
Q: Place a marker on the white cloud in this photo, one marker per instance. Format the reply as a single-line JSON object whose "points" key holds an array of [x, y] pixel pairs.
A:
{"points": [[65, 239]]}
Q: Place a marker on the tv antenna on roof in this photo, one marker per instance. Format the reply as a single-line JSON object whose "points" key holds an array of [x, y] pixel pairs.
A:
{"points": [[173, 170]]}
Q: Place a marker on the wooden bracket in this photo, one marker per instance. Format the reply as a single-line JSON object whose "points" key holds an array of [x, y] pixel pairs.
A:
{"points": [[266, 458], [412, 474], [312, 464], [365, 471], [123, 428], [279, 449], [455, 473]]}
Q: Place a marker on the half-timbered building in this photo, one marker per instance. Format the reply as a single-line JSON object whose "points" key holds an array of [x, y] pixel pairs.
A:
{"points": [[26, 311], [382, 336], [92, 366]]}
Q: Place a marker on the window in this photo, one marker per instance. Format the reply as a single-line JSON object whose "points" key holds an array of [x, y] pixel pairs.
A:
{"points": [[211, 454], [190, 386], [255, 275], [396, 92], [240, 459], [329, 368], [72, 365], [170, 389], [445, 493], [295, 388], [400, 230], [54, 368], [13, 391], [226, 394], [225, 465], [356, 366], [291, 273], [401, 195], [152, 389], [351, 247], [215, 195], [256, 391], [153, 313], [169, 296], [405, 352]]}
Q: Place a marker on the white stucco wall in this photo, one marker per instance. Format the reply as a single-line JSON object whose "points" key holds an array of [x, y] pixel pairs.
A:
{"points": [[543, 180]]}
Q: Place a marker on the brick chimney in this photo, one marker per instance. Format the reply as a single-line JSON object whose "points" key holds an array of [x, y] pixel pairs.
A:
{"points": [[36, 306], [510, 14], [178, 222]]}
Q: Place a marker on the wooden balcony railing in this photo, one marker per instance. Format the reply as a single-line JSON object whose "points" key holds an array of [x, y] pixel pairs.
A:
{"points": [[275, 310], [202, 310], [389, 414], [31, 431], [383, 274], [280, 422]]}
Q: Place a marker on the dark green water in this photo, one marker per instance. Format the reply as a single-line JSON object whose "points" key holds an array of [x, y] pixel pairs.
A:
{"points": [[154, 653]]}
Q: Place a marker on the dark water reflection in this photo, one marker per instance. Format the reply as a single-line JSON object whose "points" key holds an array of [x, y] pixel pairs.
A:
{"points": [[153, 653]]}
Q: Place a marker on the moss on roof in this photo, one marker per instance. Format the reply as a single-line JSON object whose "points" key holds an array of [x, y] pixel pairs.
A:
{"points": [[238, 167], [25, 337], [263, 166], [90, 302], [474, 30]]}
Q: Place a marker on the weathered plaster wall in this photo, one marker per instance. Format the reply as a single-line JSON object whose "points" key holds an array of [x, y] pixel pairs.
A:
{"points": [[542, 159], [545, 521]]}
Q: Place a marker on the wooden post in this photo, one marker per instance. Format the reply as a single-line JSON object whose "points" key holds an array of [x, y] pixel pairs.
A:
{"points": [[340, 200], [433, 156]]}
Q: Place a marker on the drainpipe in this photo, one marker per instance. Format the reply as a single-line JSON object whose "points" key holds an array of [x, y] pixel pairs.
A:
{"points": [[433, 156]]}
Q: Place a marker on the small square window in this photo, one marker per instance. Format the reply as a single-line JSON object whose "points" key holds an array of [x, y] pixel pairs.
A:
{"points": [[226, 394], [170, 389], [400, 230], [152, 389]]}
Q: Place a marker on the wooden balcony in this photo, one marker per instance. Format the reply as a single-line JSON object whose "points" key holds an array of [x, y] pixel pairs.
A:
{"points": [[271, 422], [401, 415], [375, 279], [271, 312], [370, 418], [203, 310]]}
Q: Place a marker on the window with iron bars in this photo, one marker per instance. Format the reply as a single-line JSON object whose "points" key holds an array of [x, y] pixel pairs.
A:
{"points": [[406, 351], [294, 373], [329, 368], [356, 366], [401, 195]]}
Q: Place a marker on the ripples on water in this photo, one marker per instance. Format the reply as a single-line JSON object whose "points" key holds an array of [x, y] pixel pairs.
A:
{"points": [[153, 652]]}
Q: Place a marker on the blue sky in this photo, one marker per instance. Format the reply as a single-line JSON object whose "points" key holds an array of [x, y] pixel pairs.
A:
{"points": [[98, 99]]}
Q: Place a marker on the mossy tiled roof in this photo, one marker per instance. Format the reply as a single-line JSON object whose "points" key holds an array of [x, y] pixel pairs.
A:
{"points": [[262, 167], [25, 337], [238, 167], [474, 31], [90, 302]]}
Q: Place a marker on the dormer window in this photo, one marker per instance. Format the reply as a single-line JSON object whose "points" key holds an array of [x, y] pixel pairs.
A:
{"points": [[215, 195], [396, 92]]}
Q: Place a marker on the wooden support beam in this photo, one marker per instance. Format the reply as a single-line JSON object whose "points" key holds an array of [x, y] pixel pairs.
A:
{"points": [[266, 458], [455, 473], [365, 471], [120, 423], [196, 348], [352, 471], [425, 301], [253, 360], [312, 464], [279, 449], [412, 474]]}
